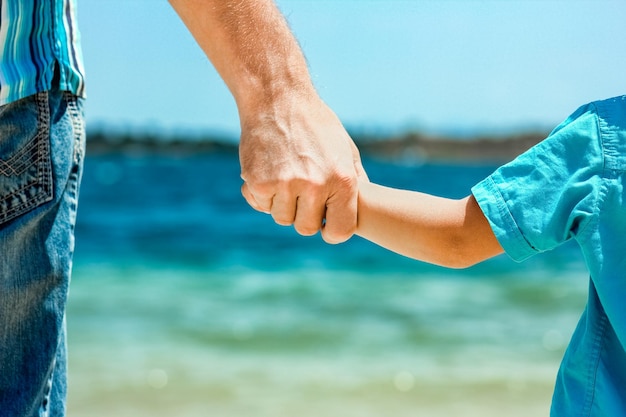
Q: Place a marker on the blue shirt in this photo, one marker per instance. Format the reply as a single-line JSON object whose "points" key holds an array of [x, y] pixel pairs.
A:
{"points": [[572, 186], [36, 36]]}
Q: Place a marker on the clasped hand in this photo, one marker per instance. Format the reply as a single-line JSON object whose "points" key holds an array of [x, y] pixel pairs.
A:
{"points": [[300, 166]]}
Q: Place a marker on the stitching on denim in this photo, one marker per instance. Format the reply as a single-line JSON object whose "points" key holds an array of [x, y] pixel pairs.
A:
{"points": [[44, 408], [78, 131], [20, 162], [36, 152], [77, 124]]}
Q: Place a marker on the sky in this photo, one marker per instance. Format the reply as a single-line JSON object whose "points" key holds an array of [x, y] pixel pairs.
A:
{"points": [[382, 65]]}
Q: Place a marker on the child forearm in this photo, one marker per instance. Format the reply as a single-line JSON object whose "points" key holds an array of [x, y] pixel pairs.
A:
{"points": [[452, 233]]}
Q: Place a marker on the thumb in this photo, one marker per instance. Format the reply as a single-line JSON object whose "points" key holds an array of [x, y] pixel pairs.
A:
{"points": [[360, 171], [341, 216], [358, 165]]}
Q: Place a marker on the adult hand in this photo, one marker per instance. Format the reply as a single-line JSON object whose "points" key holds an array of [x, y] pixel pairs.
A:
{"points": [[297, 161], [299, 165]]}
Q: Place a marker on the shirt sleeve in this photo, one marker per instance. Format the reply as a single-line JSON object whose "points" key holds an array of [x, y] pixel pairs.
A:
{"points": [[546, 195]]}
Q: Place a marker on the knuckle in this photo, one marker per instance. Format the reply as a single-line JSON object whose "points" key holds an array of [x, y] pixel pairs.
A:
{"points": [[346, 181], [262, 189], [315, 188], [304, 186]]}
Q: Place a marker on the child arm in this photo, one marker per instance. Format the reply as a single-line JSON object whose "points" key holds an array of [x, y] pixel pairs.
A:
{"points": [[446, 232]]}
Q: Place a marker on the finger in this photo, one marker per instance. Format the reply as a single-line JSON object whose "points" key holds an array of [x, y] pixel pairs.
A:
{"points": [[283, 208], [341, 212], [249, 197], [262, 200], [309, 214]]}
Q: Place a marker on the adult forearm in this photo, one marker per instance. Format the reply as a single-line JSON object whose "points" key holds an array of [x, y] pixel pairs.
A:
{"points": [[297, 161], [251, 46]]}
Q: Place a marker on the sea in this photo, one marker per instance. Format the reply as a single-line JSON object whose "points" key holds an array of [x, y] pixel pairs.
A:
{"points": [[186, 302]]}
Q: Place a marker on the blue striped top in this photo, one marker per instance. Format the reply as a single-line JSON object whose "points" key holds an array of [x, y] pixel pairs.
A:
{"points": [[36, 35]]}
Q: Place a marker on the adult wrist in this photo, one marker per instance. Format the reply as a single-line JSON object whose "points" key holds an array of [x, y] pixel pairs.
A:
{"points": [[256, 93], [258, 99]]}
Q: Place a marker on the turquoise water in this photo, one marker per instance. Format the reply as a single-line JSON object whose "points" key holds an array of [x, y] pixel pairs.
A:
{"points": [[187, 302]]}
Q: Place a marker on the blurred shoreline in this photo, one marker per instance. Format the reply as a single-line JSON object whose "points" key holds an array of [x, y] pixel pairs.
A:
{"points": [[403, 147], [187, 302]]}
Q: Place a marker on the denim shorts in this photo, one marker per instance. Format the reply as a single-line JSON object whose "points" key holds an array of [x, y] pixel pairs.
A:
{"points": [[42, 140]]}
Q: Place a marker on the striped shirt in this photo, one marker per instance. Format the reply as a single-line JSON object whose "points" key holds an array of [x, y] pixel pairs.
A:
{"points": [[36, 36]]}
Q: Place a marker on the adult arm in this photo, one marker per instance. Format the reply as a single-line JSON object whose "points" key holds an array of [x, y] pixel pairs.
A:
{"points": [[297, 161], [446, 232]]}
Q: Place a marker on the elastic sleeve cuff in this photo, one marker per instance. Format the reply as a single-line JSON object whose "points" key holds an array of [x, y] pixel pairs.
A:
{"points": [[502, 222]]}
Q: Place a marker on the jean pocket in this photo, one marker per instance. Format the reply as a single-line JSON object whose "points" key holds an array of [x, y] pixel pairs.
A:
{"points": [[25, 161]]}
